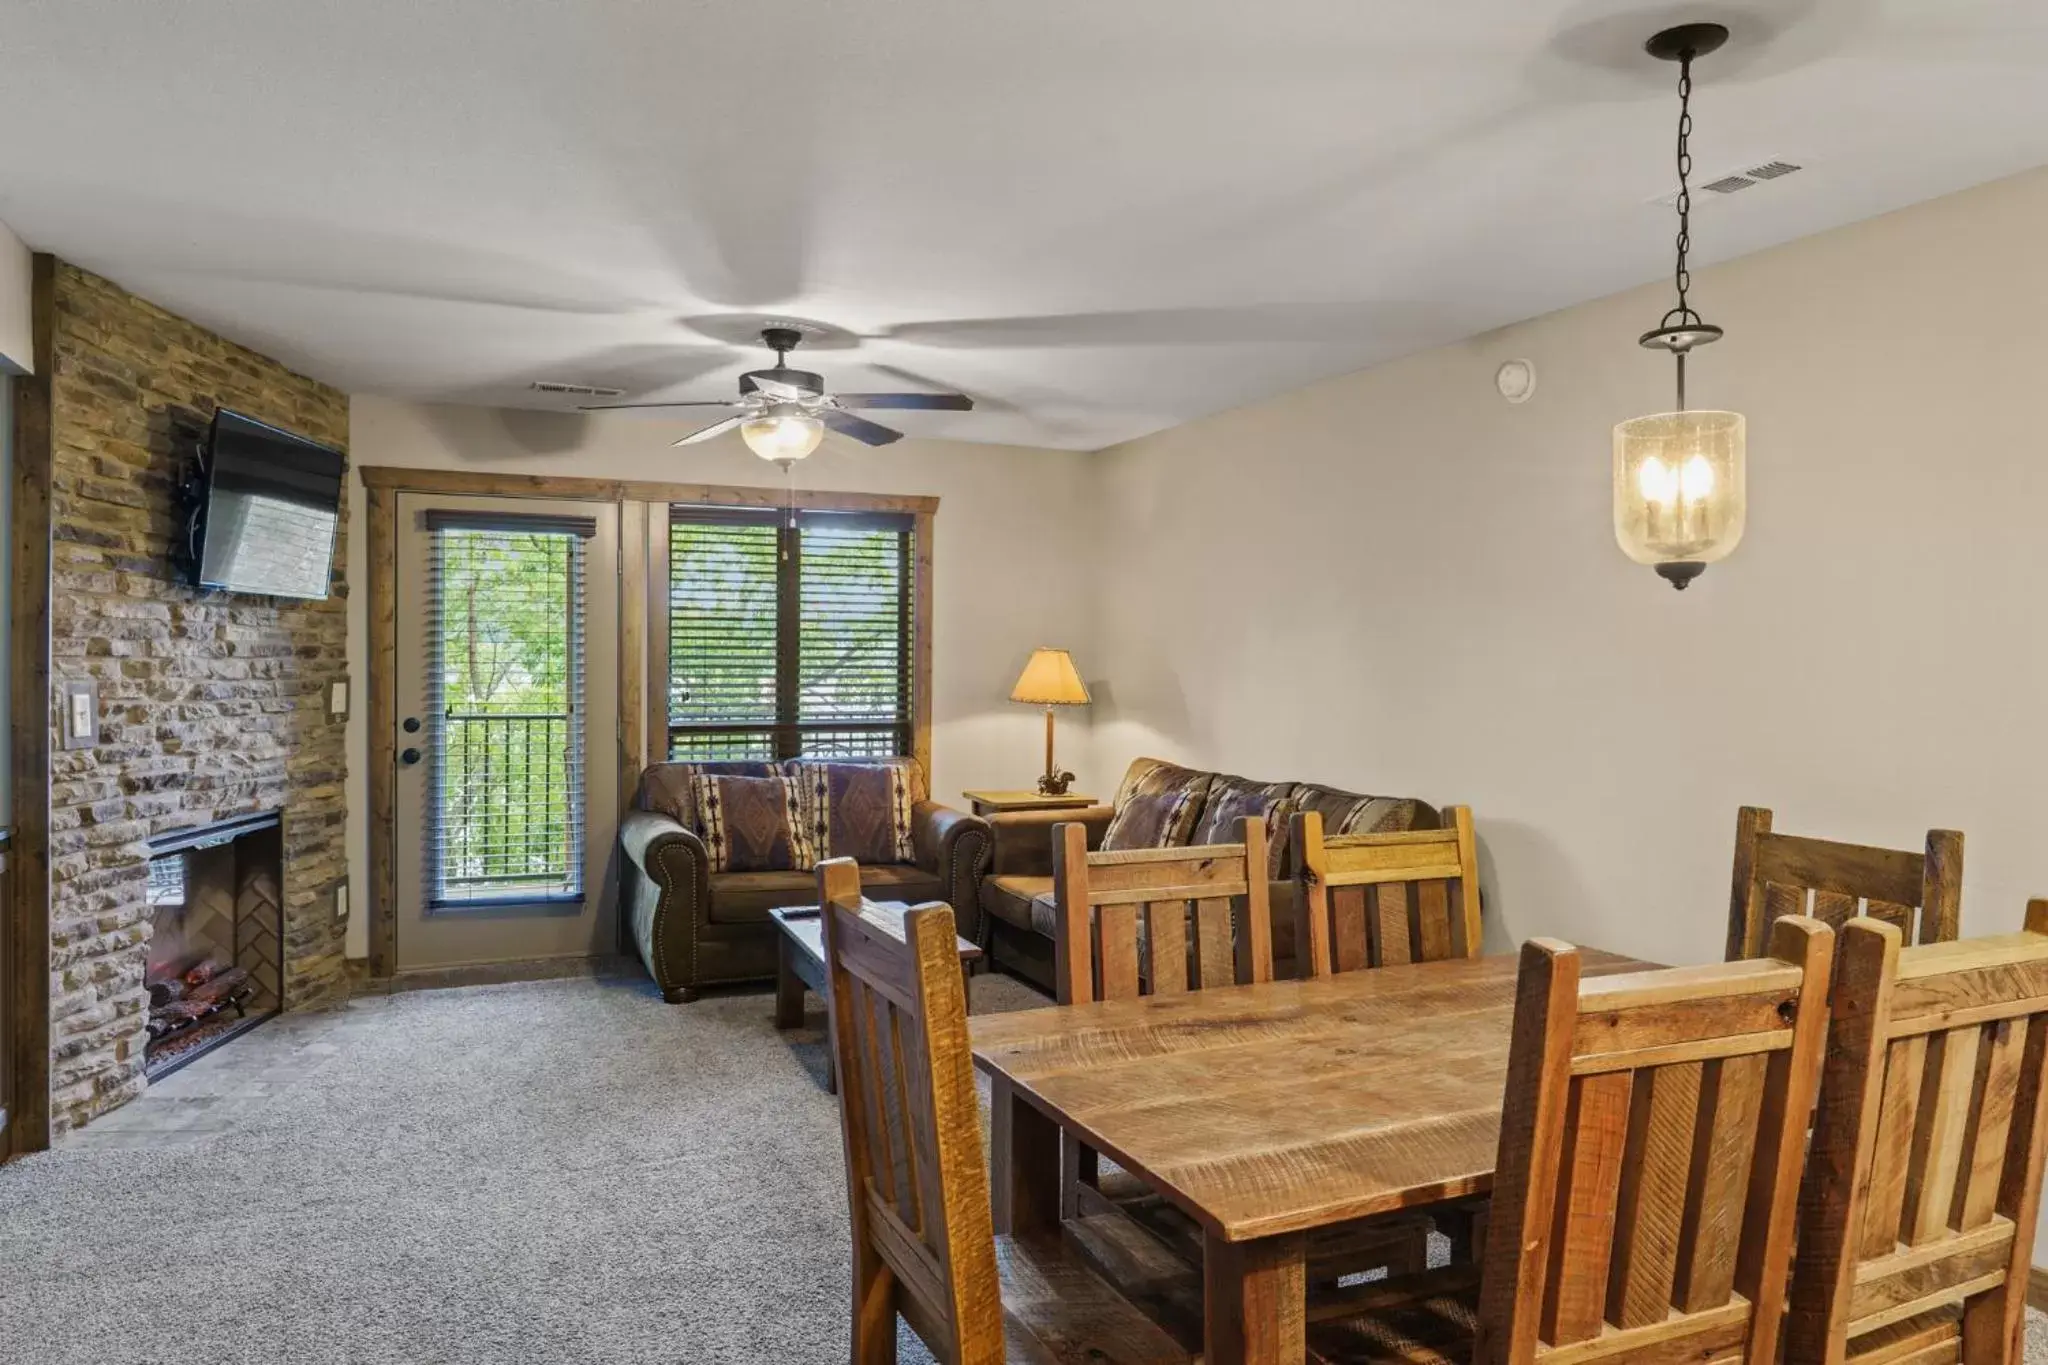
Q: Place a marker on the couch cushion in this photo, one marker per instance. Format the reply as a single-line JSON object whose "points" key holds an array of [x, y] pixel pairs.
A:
{"points": [[1156, 807], [1349, 813], [665, 787], [1009, 899], [1231, 799], [752, 824], [747, 897], [858, 810]]}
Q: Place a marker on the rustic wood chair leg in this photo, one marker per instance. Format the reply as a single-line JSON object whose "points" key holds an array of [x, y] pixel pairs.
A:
{"points": [[1079, 1165], [874, 1310], [1992, 1334]]}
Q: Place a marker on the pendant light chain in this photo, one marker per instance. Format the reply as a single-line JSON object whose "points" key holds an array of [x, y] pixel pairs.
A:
{"points": [[1682, 277]]}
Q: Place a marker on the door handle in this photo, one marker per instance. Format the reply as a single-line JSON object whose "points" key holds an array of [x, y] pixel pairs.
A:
{"points": [[409, 756]]}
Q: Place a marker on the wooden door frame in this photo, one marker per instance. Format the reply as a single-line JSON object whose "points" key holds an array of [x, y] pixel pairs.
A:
{"points": [[643, 651], [25, 909]]}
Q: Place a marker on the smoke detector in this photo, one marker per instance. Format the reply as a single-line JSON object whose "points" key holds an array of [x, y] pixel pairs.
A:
{"points": [[576, 390], [1734, 182]]}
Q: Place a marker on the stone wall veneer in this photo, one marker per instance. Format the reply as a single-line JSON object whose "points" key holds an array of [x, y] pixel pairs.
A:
{"points": [[210, 704]]}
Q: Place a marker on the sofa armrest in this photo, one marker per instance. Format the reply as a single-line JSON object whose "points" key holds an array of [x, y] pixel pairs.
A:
{"points": [[666, 897], [956, 847], [1023, 838]]}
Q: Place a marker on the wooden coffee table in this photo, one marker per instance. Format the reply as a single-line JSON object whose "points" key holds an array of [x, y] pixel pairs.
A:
{"points": [[800, 964]]}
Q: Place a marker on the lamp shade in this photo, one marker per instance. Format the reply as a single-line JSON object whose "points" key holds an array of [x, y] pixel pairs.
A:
{"points": [[1050, 679], [1680, 494]]}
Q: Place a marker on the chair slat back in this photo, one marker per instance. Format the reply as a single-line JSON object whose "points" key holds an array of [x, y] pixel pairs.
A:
{"points": [[1648, 1176], [1373, 900], [1925, 1177], [917, 1183], [1158, 921], [1786, 874]]}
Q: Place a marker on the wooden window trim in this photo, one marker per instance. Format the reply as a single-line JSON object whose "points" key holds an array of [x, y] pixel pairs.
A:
{"points": [[643, 659]]}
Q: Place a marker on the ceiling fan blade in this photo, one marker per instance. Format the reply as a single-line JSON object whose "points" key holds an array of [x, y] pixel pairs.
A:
{"points": [[692, 403], [859, 428], [946, 402], [706, 433]]}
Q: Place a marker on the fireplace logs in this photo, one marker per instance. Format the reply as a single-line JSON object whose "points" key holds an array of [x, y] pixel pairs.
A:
{"points": [[215, 964], [196, 993]]}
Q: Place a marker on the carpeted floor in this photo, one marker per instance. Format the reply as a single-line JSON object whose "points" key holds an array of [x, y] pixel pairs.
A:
{"points": [[559, 1172]]}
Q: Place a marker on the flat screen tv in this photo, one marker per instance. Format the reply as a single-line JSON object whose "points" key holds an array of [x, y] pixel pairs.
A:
{"points": [[266, 520]]}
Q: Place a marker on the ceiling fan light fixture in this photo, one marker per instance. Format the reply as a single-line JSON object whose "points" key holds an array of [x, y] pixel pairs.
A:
{"points": [[784, 431]]}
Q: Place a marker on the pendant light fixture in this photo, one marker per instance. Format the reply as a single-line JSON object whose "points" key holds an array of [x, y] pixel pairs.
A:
{"points": [[1679, 496]]}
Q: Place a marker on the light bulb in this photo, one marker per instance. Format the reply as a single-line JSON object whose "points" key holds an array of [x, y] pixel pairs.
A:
{"points": [[1696, 481], [783, 432], [1656, 482]]}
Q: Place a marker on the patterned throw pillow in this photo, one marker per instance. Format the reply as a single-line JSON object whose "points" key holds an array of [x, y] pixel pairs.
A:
{"points": [[1231, 799], [752, 824], [858, 810], [1156, 807], [666, 787]]}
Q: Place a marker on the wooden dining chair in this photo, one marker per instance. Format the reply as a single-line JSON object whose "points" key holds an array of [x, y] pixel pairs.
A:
{"points": [[1156, 921], [1162, 921], [1646, 1187], [1373, 900], [1917, 1221], [1786, 874], [917, 1183]]}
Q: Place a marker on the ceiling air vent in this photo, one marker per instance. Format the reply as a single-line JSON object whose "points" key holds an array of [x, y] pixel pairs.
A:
{"points": [[1746, 178], [577, 390]]}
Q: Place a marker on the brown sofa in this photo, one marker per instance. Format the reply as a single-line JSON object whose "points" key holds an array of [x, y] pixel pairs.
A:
{"points": [[1164, 804], [695, 928]]}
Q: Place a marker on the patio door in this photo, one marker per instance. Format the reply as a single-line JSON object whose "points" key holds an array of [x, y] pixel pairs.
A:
{"points": [[507, 697]]}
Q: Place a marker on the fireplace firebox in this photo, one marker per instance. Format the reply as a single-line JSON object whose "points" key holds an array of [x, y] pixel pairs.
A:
{"points": [[216, 947]]}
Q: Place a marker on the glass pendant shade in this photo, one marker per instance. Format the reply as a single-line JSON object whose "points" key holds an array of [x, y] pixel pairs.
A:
{"points": [[784, 432], [1679, 491]]}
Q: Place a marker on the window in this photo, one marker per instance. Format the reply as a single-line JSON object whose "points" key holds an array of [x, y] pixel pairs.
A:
{"points": [[505, 741], [789, 638]]}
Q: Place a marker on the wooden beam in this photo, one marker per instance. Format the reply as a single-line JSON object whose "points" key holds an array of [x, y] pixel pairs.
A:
{"points": [[921, 643], [634, 674], [25, 994], [381, 555], [479, 483]]}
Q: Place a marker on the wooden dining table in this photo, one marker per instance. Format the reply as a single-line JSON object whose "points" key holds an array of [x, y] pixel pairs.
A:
{"points": [[1264, 1113]]}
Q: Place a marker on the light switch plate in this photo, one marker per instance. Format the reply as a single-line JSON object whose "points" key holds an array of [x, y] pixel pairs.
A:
{"points": [[341, 901], [337, 700], [81, 714]]}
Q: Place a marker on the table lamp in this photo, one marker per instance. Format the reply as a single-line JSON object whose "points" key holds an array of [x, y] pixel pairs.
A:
{"points": [[1049, 679]]}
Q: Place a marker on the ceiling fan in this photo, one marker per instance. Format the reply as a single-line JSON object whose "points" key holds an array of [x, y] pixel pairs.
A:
{"points": [[782, 413]]}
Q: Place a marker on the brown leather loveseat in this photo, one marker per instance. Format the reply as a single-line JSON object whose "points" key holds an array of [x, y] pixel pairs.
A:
{"points": [[695, 928]]}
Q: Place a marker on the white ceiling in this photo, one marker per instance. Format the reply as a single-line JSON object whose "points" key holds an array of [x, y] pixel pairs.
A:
{"points": [[1097, 218]]}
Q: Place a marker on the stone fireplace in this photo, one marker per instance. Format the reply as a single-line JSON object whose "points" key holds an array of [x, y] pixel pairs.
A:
{"points": [[212, 708], [216, 941]]}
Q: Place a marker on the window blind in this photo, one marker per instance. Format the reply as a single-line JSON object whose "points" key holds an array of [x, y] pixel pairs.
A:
{"points": [[724, 623], [853, 657], [504, 736], [789, 639]]}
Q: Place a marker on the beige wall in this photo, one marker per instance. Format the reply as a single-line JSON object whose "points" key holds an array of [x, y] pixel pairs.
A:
{"points": [[1009, 546], [1397, 582], [17, 334]]}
